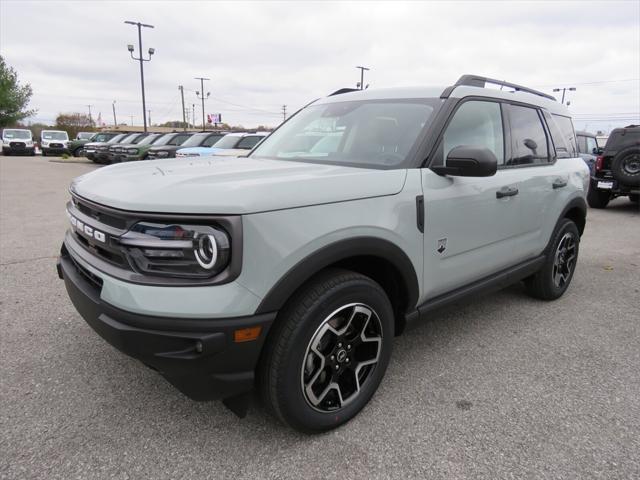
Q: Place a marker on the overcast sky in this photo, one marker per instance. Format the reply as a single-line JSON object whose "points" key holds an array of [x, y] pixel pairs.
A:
{"points": [[262, 55]]}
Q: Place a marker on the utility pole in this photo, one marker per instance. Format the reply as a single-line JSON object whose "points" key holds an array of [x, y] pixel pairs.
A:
{"points": [[141, 59], [184, 120], [201, 96], [113, 106], [564, 90], [90, 118], [284, 112], [193, 114], [149, 117], [362, 69], [131, 120]]}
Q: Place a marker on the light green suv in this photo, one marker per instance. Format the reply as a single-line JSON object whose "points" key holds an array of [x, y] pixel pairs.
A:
{"points": [[291, 271]]}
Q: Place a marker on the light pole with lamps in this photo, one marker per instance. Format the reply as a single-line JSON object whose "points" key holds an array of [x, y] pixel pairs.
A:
{"points": [[564, 90], [141, 59], [201, 96]]}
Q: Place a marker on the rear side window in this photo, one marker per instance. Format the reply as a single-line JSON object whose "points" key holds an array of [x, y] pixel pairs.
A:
{"points": [[476, 123], [528, 137], [566, 127], [563, 150]]}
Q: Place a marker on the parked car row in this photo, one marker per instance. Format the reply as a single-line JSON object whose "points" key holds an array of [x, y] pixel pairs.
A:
{"points": [[127, 147]]}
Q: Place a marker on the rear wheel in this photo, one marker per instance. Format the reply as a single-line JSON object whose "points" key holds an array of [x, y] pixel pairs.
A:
{"points": [[598, 198], [328, 351], [554, 277]]}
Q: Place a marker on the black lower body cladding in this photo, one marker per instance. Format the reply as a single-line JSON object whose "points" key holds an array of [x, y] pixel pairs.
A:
{"points": [[198, 356]]}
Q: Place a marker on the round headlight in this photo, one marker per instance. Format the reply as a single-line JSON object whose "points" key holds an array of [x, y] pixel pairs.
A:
{"points": [[206, 251]]}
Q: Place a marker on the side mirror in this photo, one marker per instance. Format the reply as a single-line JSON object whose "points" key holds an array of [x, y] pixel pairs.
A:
{"points": [[598, 151], [469, 161]]}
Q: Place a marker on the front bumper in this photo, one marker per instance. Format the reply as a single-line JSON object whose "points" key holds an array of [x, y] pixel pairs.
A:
{"points": [[198, 356], [59, 150]]}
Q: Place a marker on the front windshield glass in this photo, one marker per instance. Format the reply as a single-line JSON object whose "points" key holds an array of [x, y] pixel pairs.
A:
{"points": [[149, 139], [85, 135], [129, 138], [117, 138], [228, 141], [164, 140], [195, 140], [369, 133], [55, 136], [21, 134]]}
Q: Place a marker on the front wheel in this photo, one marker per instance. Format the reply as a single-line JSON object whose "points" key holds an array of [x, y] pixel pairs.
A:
{"points": [[328, 351], [78, 152], [554, 277]]}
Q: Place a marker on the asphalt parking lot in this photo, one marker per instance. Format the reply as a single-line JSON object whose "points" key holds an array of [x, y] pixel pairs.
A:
{"points": [[502, 387]]}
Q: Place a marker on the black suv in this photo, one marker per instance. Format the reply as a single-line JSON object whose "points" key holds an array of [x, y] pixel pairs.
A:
{"points": [[617, 168]]}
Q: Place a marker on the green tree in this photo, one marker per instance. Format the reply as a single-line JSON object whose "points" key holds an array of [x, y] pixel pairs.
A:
{"points": [[14, 97]]}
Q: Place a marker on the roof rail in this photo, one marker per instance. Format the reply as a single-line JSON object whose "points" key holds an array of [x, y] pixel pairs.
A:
{"points": [[344, 90], [478, 81]]}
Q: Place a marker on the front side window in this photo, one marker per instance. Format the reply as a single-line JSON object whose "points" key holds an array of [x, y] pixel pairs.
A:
{"points": [[528, 137], [369, 133], [475, 123], [150, 139]]}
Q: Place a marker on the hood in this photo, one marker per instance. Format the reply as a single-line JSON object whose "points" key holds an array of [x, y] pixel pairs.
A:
{"points": [[230, 185]]}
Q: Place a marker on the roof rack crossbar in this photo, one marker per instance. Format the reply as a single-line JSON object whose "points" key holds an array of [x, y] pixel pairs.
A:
{"points": [[478, 81]]}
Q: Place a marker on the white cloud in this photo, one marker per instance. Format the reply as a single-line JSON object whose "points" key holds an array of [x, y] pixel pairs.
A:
{"points": [[261, 55]]}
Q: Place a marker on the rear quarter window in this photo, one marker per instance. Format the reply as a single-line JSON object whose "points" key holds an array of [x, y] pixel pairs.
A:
{"points": [[566, 128]]}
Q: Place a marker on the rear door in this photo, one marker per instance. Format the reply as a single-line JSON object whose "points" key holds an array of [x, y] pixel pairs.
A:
{"points": [[472, 225]]}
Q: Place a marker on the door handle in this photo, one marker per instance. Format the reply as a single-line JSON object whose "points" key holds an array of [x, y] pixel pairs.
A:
{"points": [[559, 183], [506, 192]]}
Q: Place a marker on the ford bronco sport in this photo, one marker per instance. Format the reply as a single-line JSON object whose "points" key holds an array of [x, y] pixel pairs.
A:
{"points": [[291, 271]]}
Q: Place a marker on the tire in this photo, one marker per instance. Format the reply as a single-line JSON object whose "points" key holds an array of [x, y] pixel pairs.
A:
{"points": [[625, 166], [598, 198], [634, 197], [553, 279], [78, 152], [44, 154], [292, 381]]}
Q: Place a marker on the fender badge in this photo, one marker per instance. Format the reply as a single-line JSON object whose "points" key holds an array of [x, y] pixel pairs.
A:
{"points": [[442, 245]]}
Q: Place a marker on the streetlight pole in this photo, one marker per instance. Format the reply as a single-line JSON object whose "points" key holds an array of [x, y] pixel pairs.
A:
{"points": [[115, 122], [141, 59], [564, 90], [284, 112], [201, 96], [184, 120], [90, 118], [362, 69], [193, 115]]}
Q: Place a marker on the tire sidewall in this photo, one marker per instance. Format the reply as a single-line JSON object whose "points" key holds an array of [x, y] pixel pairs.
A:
{"points": [[295, 409], [567, 226]]}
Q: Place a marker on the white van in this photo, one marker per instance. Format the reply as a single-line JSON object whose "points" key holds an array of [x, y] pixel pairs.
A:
{"points": [[54, 141], [17, 141]]}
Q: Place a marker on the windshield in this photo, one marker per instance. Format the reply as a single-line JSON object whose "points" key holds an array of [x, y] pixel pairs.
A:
{"points": [[22, 134], [228, 141], [85, 135], [195, 140], [370, 133], [117, 138], [129, 138], [55, 136], [165, 139], [148, 140]]}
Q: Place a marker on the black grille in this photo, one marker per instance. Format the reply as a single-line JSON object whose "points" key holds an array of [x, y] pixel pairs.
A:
{"points": [[55, 145], [101, 217], [17, 144], [93, 280]]}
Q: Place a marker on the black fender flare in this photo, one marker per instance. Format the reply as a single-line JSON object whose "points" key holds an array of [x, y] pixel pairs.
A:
{"points": [[334, 253], [580, 205]]}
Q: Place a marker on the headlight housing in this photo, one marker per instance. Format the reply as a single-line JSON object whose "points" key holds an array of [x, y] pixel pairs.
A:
{"points": [[132, 151], [163, 153], [178, 250]]}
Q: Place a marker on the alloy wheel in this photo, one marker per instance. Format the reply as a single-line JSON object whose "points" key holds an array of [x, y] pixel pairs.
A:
{"points": [[565, 260], [341, 357]]}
